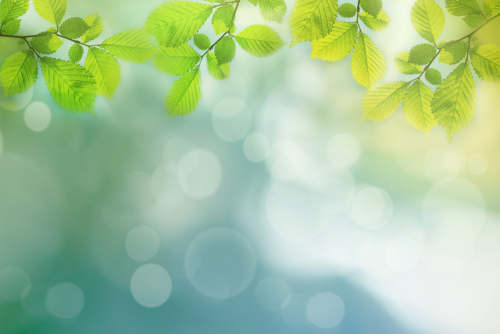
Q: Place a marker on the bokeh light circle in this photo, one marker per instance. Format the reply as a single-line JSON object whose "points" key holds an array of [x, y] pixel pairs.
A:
{"points": [[478, 164], [15, 284], [151, 285], [343, 150], [65, 300], [37, 116], [231, 119], [325, 310], [273, 293], [256, 147], [142, 243], [15, 102], [199, 174], [372, 208], [220, 263]]}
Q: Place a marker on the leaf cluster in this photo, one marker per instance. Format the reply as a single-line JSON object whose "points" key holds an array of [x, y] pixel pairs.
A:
{"points": [[453, 103]]}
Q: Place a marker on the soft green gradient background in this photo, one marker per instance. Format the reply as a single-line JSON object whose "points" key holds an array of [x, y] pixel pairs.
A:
{"points": [[70, 194]]}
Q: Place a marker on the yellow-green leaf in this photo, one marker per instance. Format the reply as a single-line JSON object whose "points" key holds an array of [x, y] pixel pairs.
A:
{"points": [[201, 41], [222, 18], [175, 22], [96, 25], [70, 85], [51, 10], [225, 50], [184, 94], [18, 73], [372, 7], [105, 69], [462, 7], [417, 107], [11, 27], [379, 23], [132, 45], [259, 40], [176, 61], [73, 27], [454, 101], [422, 54], [486, 62], [46, 43], [383, 100], [433, 76], [217, 71], [75, 53], [311, 20], [347, 10], [272, 10], [337, 44], [491, 7], [428, 19], [453, 52], [12, 9], [403, 66], [367, 64]]}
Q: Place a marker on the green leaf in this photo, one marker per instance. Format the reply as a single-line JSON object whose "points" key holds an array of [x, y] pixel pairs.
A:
{"points": [[379, 23], [184, 94], [433, 76], [225, 50], [46, 43], [383, 100], [175, 22], [474, 20], [221, 20], [486, 62], [132, 45], [337, 44], [51, 10], [11, 27], [454, 101], [12, 9], [491, 7], [422, 54], [403, 66], [259, 40], [74, 27], [176, 61], [347, 10], [417, 107], [372, 7], [201, 41], [96, 25], [367, 64], [75, 53], [453, 52], [427, 18], [105, 69], [70, 85], [254, 2], [18, 73], [219, 72], [462, 7], [272, 10], [311, 20], [21, 42]]}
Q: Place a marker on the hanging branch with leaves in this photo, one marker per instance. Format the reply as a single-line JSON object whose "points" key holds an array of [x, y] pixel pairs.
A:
{"points": [[452, 105]]}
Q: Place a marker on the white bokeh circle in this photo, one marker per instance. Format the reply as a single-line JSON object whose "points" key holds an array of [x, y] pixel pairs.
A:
{"points": [[65, 300], [325, 310], [37, 116], [199, 174], [151, 285], [220, 263], [142, 243], [231, 119], [256, 147], [372, 208]]}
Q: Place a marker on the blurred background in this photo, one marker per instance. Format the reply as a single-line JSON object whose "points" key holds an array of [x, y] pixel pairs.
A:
{"points": [[271, 209]]}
